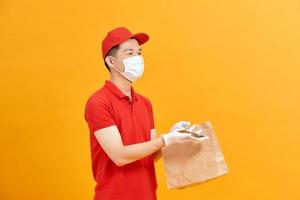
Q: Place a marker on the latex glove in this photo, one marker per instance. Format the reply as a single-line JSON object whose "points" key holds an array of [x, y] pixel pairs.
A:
{"points": [[175, 137], [180, 126], [178, 138]]}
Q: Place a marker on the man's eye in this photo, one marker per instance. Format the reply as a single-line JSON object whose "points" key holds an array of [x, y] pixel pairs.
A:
{"points": [[129, 53], [140, 53]]}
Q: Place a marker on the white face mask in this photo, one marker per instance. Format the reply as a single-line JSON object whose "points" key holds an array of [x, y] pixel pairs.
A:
{"points": [[134, 67]]}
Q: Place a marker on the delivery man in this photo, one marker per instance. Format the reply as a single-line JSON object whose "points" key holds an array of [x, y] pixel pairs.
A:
{"points": [[122, 131]]}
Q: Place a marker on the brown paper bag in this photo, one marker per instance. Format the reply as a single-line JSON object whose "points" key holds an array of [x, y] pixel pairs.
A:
{"points": [[194, 162]]}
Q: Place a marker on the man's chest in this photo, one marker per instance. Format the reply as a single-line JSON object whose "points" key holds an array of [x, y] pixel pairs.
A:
{"points": [[133, 121]]}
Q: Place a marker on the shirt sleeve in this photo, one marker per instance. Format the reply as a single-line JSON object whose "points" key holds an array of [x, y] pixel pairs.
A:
{"points": [[152, 123], [98, 114]]}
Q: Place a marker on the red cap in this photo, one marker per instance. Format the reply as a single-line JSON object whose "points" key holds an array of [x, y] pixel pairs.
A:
{"points": [[120, 35]]}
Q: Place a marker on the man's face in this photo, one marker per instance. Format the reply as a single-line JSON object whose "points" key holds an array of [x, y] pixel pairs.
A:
{"points": [[126, 49]]}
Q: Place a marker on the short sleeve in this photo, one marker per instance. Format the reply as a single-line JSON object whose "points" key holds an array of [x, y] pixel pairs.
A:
{"points": [[98, 114], [152, 123]]}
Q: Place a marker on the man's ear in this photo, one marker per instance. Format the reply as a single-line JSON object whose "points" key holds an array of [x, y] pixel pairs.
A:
{"points": [[108, 61]]}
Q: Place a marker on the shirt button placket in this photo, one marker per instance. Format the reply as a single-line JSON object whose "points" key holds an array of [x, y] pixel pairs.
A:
{"points": [[131, 113]]}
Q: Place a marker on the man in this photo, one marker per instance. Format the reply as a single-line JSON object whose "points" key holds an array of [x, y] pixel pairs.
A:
{"points": [[122, 130]]}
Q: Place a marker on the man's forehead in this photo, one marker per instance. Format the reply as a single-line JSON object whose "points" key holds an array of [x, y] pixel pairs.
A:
{"points": [[130, 44], [131, 49]]}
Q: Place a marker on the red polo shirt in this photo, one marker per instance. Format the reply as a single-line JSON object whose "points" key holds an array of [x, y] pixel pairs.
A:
{"points": [[107, 107]]}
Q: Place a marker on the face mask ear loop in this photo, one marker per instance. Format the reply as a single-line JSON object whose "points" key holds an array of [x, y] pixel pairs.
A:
{"points": [[117, 68], [122, 74]]}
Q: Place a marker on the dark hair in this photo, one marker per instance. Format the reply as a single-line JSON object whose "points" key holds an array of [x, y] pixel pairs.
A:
{"points": [[111, 52]]}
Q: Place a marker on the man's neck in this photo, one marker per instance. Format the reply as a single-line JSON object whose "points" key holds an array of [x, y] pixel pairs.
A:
{"points": [[123, 84]]}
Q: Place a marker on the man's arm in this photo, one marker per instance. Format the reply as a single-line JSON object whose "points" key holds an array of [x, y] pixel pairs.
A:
{"points": [[111, 142], [158, 153]]}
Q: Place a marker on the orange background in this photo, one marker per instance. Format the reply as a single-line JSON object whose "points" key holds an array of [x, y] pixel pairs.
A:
{"points": [[235, 63]]}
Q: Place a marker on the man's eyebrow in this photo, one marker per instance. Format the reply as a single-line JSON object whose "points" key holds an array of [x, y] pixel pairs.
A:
{"points": [[131, 50]]}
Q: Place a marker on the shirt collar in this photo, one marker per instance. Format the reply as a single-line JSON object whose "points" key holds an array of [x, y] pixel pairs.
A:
{"points": [[118, 93]]}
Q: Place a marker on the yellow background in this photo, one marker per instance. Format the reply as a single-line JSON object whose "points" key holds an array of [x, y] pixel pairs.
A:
{"points": [[235, 63]]}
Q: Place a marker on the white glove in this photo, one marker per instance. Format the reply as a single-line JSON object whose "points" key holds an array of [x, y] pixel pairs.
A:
{"points": [[175, 137], [180, 126]]}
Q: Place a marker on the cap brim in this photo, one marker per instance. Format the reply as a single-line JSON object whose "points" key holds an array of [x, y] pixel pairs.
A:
{"points": [[141, 37]]}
